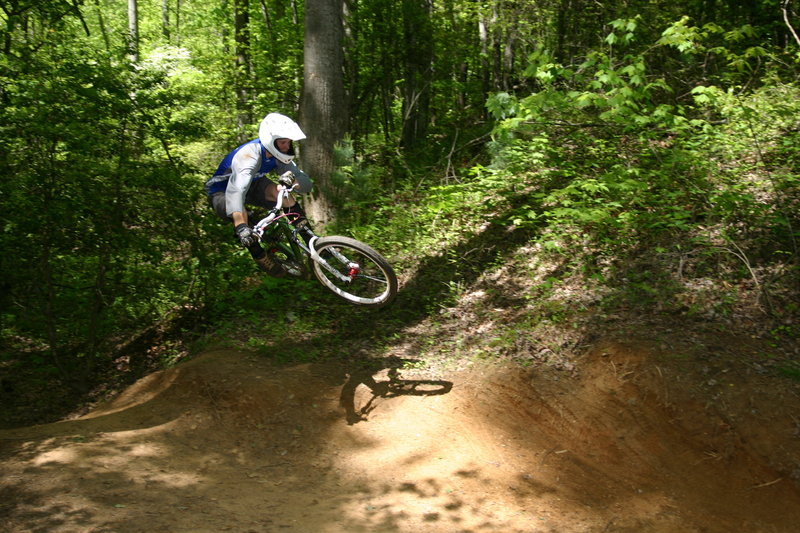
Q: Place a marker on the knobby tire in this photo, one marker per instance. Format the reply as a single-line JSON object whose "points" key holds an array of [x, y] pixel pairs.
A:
{"points": [[371, 280]]}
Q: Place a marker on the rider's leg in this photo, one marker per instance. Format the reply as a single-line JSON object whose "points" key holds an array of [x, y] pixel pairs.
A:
{"points": [[270, 195], [262, 259], [297, 216]]}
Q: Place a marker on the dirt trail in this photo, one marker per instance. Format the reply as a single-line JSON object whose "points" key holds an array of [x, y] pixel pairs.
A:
{"points": [[231, 442]]}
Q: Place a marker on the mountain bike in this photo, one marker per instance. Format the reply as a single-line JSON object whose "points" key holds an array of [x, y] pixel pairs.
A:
{"points": [[349, 268]]}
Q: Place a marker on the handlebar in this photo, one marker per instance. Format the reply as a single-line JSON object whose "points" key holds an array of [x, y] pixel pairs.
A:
{"points": [[283, 192]]}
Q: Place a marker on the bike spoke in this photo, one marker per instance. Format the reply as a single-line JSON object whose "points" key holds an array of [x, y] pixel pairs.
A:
{"points": [[354, 271]]}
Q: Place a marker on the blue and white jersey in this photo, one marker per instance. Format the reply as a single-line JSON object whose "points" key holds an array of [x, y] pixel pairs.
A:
{"points": [[244, 165]]}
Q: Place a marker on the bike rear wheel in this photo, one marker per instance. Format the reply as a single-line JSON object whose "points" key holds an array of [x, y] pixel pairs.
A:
{"points": [[354, 271]]}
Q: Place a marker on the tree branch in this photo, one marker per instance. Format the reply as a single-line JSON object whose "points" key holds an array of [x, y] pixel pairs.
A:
{"points": [[785, 9], [80, 16]]}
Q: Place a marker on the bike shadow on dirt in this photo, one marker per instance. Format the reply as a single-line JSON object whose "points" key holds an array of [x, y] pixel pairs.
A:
{"points": [[392, 386]]}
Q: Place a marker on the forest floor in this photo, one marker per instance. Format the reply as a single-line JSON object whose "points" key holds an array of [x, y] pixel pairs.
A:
{"points": [[631, 435]]}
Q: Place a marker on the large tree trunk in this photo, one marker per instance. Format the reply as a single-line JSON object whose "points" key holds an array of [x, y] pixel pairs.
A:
{"points": [[323, 110]]}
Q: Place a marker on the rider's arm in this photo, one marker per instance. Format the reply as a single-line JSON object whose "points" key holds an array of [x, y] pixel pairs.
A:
{"points": [[243, 168]]}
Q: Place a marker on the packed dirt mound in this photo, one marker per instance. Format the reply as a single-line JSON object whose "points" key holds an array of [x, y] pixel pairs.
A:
{"points": [[232, 442]]}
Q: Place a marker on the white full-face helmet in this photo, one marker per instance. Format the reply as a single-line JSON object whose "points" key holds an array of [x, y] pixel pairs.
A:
{"points": [[276, 126]]}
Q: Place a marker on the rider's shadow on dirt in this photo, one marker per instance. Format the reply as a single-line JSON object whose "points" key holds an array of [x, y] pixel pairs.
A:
{"points": [[359, 401]]}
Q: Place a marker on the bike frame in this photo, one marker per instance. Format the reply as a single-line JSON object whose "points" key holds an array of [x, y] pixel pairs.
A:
{"points": [[276, 216]]}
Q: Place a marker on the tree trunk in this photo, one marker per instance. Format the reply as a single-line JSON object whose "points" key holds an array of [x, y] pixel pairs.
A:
{"points": [[351, 67], [267, 19], [496, 44], [323, 108], [244, 115], [509, 53], [165, 19], [561, 31], [102, 24], [178, 22], [419, 66], [483, 37], [133, 30]]}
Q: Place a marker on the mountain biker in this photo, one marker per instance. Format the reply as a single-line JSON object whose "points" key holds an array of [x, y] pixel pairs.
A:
{"points": [[240, 179]]}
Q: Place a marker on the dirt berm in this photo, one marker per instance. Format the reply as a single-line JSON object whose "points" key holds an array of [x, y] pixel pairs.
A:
{"points": [[634, 441]]}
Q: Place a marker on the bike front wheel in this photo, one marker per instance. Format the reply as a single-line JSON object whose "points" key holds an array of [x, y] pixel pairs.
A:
{"points": [[354, 271]]}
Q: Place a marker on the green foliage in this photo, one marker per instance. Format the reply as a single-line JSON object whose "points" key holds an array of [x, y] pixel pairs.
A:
{"points": [[96, 209], [791, 371], [429, 218], [625, 164]]}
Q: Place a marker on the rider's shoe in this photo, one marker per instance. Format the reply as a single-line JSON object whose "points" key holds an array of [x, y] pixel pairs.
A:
{"points": [[267, 264]]}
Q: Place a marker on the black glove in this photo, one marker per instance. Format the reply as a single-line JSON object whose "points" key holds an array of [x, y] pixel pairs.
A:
{"points": [[286, 179], [246, 235]]}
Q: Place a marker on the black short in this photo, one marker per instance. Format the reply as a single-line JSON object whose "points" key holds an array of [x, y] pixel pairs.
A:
{"points": [[256, 195]]}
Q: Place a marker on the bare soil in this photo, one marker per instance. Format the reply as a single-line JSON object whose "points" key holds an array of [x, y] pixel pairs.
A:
{"points": [[636, 439]]}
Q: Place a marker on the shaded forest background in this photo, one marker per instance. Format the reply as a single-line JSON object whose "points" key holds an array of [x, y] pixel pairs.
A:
{"points": [[649, 148]]}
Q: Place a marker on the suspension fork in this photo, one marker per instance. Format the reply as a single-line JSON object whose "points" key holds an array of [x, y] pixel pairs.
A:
{"points": [[353, 268]]}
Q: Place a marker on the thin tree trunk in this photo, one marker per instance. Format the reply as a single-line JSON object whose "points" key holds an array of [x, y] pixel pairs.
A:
{"points": [[102, 24], [243, 78], [178, 4], [785, 9], [496, 47], [98, 304], [509, 50], [133, 30], [48, 285], [419, 65], [165, 19], [483, 37], [561, 31], [267, 18]]}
